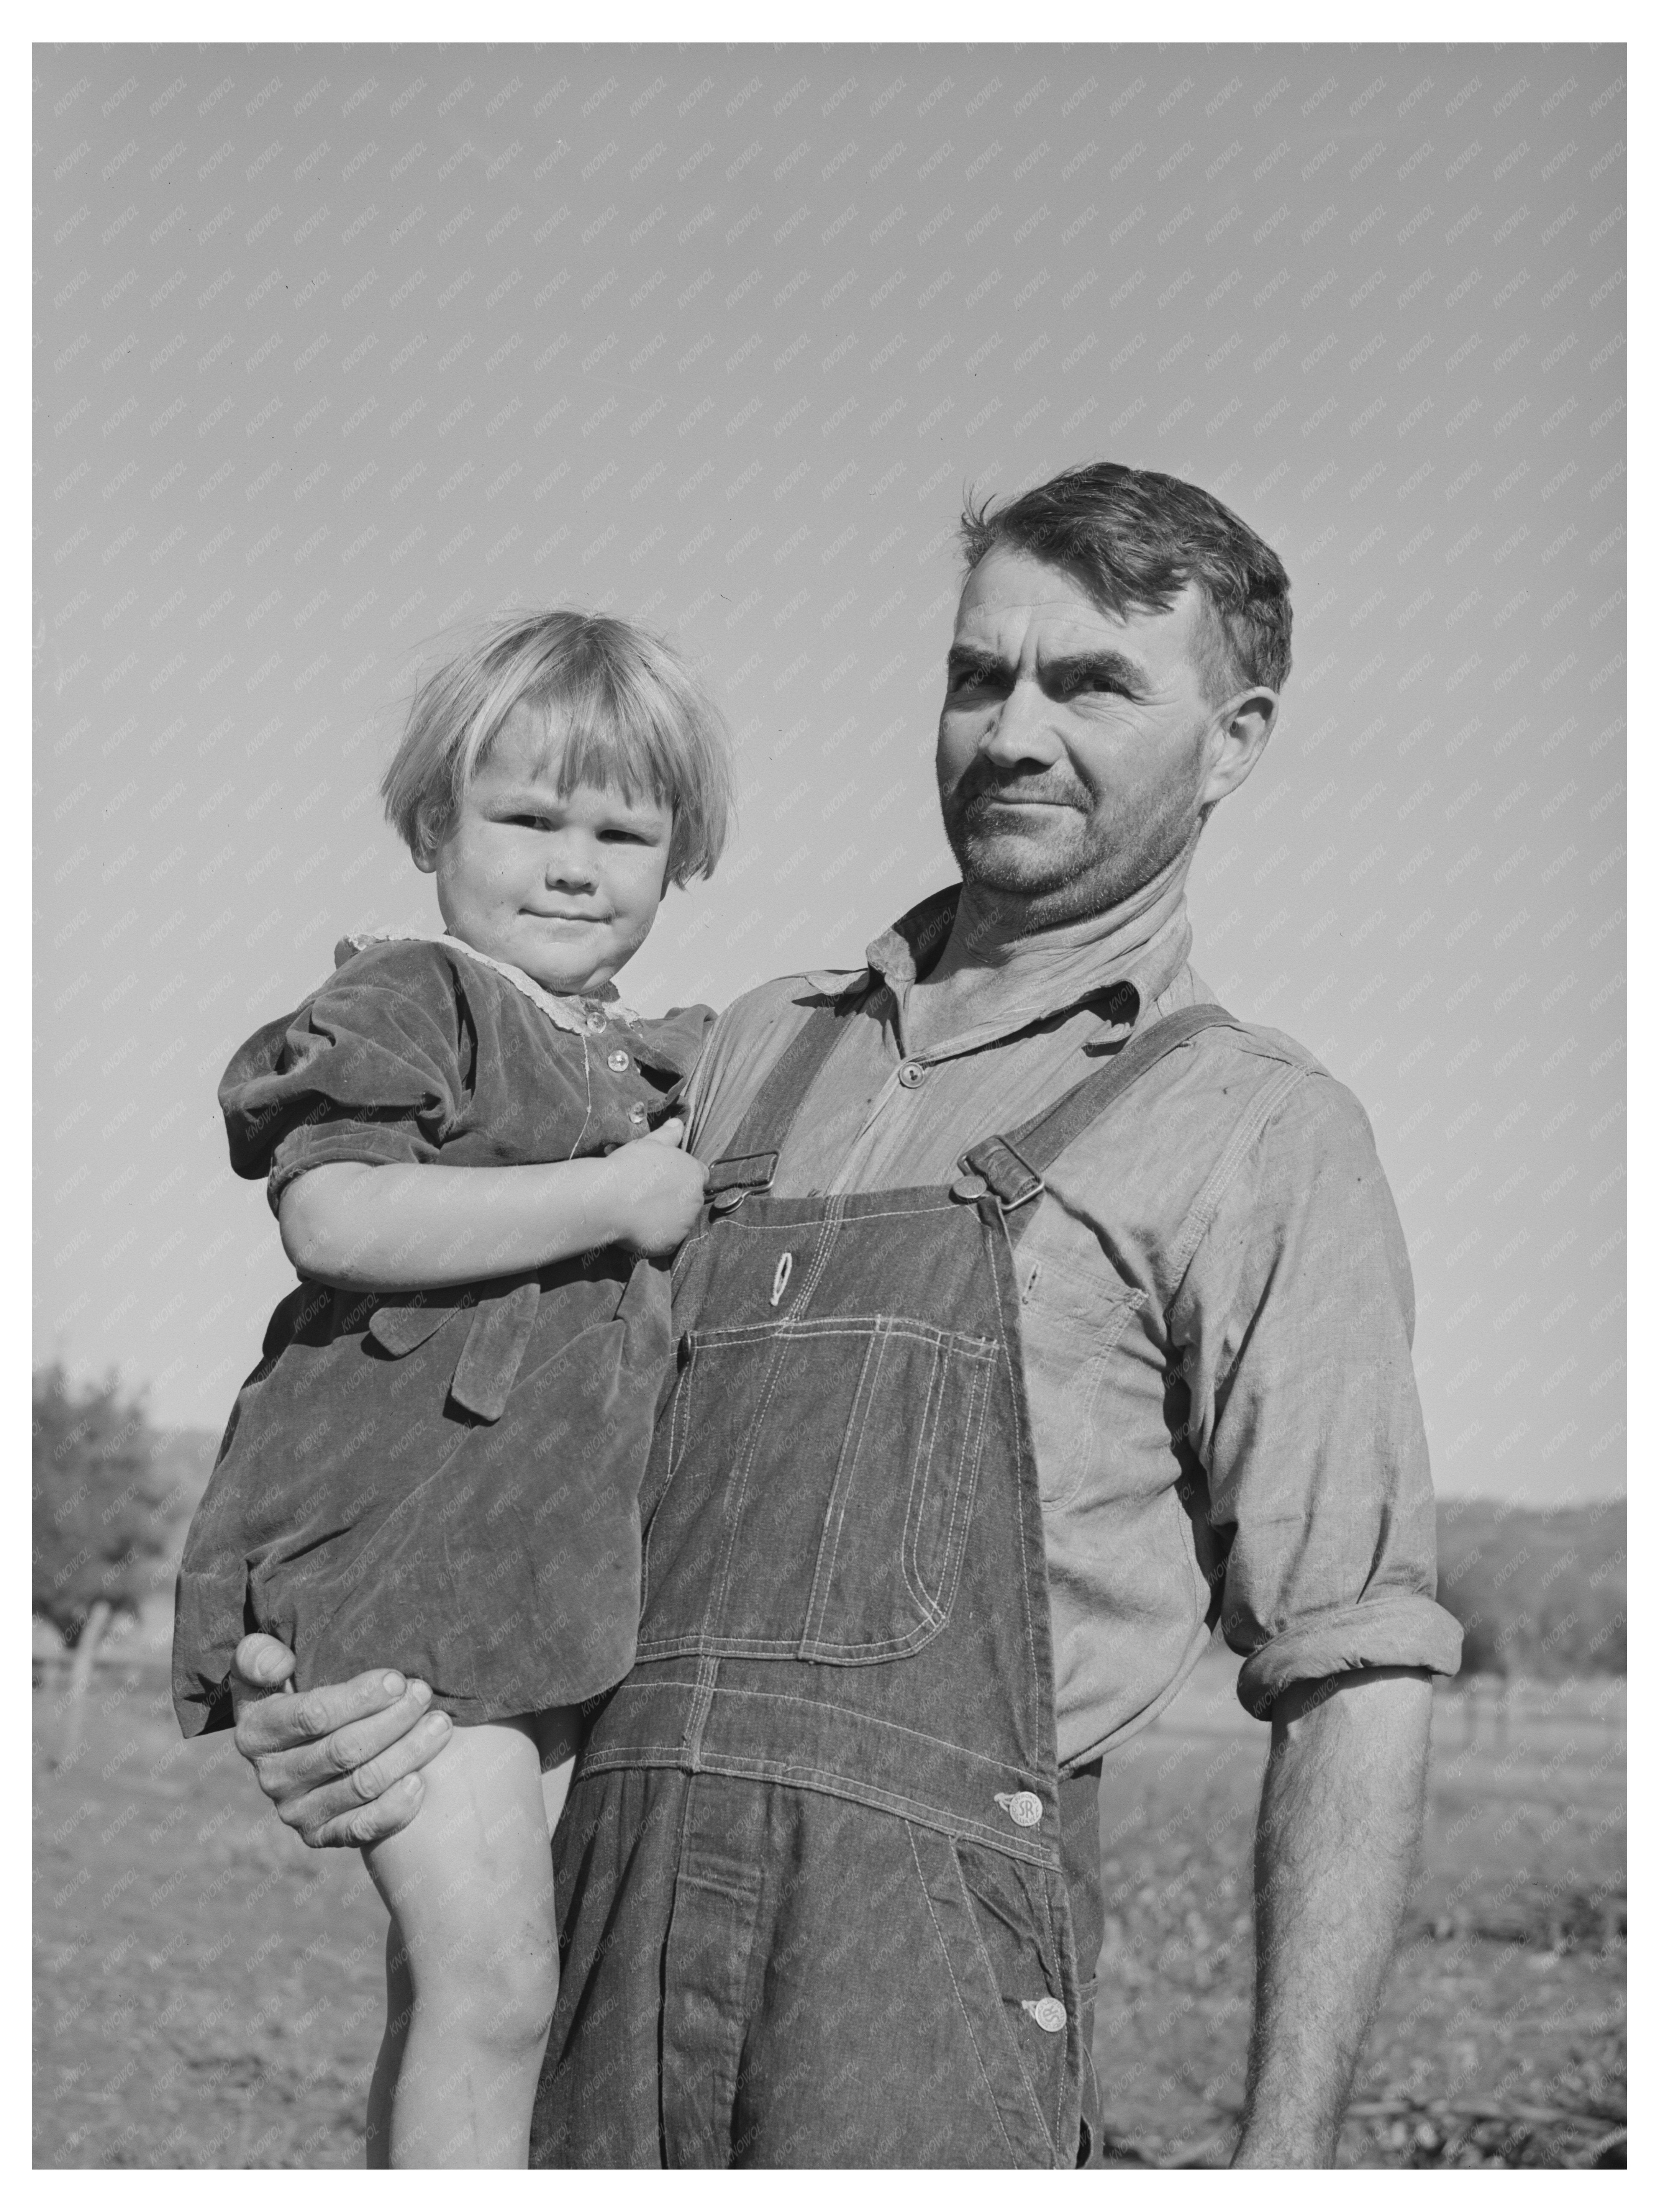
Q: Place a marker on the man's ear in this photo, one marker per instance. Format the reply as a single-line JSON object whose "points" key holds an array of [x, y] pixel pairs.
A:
{"points": [[1240, 731]]}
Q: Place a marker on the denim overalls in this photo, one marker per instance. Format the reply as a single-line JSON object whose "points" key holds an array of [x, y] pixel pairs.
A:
{"points": [[827, 1900]]}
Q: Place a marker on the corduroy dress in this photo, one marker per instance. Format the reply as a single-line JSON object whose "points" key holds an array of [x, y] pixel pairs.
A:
{"points": [[442, 1481]]}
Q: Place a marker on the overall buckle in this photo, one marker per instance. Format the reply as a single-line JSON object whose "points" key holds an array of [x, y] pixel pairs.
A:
{"points": [[731, 1181], [995, 1166]]}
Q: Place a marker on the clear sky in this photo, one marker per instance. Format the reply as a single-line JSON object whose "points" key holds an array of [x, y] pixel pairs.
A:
{"points": [[336, 349]]}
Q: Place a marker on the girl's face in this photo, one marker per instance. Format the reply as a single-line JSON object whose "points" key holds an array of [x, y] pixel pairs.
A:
{"points": [[566, 888]]}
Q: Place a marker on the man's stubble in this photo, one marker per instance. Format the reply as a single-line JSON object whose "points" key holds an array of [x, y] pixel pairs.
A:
{"points": [[1081, 856]]}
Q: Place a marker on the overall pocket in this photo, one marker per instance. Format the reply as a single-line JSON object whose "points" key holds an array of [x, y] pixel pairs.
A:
{"points": [[813, 1487]]}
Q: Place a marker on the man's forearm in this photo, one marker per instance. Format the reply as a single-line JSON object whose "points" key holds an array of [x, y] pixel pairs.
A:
{"points": [[1337, 1839]]}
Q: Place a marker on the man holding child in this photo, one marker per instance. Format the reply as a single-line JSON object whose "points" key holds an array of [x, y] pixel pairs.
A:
{"points": [[1041, 1316]]}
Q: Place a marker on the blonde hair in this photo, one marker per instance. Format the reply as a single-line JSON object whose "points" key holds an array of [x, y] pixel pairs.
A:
{"points": [[627, 710]]}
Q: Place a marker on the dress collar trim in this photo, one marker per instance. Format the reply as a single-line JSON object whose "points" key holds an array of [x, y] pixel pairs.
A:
{"points": [[566, 1011]]}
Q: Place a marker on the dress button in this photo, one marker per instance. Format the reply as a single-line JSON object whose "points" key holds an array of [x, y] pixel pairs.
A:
{"points": [[617, 1061], [1048, 2012], [1025, 1808], [912, 1073]]}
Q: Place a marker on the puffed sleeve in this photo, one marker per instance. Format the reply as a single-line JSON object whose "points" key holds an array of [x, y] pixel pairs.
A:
{"points": [[374, 1068], [670, 1048], [673, 1041], [1296, 1313]]}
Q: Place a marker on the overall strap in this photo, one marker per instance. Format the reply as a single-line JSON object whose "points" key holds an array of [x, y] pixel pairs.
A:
{"points": [[752, 1161], [1014, 1166]]}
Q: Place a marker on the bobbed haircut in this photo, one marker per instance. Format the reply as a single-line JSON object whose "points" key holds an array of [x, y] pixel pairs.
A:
{"points": [[1134, 539], [619, 703]]}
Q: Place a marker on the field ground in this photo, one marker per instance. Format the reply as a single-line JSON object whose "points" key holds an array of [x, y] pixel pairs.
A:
{"points": [[207, 1993], [1501, 2038]]}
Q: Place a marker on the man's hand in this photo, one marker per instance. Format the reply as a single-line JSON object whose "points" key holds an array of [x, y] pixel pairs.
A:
{"points": [[1336, 1844], [340, 1763]]}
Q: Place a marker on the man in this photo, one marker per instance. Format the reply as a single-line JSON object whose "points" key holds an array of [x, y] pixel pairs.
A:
{"points": [[1044, 1314]]}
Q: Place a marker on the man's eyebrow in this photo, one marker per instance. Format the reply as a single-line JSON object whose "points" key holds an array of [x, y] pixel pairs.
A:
{"points": [[1103, 667], [1107, 669]]}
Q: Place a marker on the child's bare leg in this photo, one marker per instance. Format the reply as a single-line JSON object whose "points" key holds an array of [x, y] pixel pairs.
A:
{"points": [[469, 1886], [382, 2088]]}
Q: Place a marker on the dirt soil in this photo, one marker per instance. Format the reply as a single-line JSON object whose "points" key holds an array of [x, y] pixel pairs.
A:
{"points": [[209, 1993]]}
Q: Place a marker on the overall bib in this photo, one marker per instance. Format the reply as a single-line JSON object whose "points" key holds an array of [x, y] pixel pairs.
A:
{"points": [[828, 1900]]}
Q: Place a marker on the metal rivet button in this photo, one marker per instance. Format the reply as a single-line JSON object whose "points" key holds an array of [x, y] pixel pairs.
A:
{"points": [[617, 1061], [638, 1113], [724, 1201], [595, 1019], [912, 1073], [1024, 1809], [970, 1186], [1048, 2012]]}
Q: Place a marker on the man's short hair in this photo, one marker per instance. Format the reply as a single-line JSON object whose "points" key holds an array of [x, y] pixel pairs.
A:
{"points": [[1134, 539]]}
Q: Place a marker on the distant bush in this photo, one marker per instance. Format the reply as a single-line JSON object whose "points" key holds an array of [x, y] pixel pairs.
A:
{"points": [[1537, 1593], [104, 1505]]}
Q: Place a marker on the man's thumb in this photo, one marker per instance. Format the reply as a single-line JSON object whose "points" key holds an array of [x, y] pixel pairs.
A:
{"points": [[669, 1132], [263, 1663]]}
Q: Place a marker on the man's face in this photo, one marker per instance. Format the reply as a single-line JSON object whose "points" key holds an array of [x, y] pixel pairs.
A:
{"points": [[1076, 749]]}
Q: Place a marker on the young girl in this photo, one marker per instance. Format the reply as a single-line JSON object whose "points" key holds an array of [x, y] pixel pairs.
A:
{"points": [[445, 1480]]}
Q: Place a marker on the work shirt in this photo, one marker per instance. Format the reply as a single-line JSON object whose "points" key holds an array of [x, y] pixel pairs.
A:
{"points": [[1216, 1313]]}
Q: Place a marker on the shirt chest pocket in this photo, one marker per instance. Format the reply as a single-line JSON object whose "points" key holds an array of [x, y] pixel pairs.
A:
{"points": [[1073, 1324]]}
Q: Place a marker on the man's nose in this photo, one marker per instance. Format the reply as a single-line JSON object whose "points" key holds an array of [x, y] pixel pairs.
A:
{"points": [[1019, 730]]}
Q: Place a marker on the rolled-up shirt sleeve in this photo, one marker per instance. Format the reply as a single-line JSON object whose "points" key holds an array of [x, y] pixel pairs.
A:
{"points": [[1295, 1317]]}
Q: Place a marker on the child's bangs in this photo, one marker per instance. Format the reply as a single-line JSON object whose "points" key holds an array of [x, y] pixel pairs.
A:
{"points": [[616, 707], [611, 726]]}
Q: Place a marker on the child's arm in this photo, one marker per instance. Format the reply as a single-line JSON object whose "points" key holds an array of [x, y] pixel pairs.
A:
{"points": [[417, 1227]]}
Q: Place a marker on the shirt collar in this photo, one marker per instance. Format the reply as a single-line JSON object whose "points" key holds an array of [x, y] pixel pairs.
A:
{"points": [[1123, 966]]}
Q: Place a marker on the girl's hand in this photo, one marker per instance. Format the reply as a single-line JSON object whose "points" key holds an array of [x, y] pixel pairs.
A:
{"points": [[657, 1191]]}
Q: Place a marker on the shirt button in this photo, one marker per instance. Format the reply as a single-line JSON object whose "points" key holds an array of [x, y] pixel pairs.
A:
{"points": [[1048, 2012], [912, 1073], [638, 1113], [1025, 1808], [617, 1063], [595, 1019]]}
